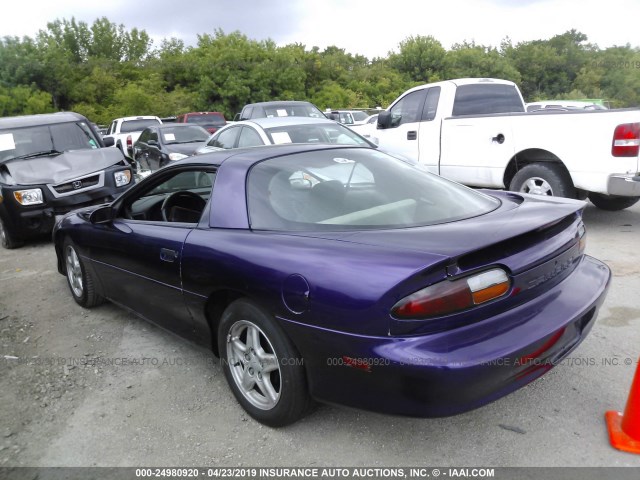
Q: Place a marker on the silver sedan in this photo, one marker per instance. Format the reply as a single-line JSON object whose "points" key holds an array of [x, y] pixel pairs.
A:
{"points": [[281, 130]]}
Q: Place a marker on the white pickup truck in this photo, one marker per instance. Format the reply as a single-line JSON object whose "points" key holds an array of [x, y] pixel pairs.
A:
{"points": [[476, 132], [126, 130]]}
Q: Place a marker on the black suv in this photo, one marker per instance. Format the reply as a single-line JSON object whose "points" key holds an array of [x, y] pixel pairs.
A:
{"points": [[51, 164]]}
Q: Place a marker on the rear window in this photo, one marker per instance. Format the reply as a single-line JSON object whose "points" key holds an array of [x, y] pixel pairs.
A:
{"points": [[354, 188], [185, 134], [137, 125], [214, 119], [331, 133], [288, 110], [482, 99]]}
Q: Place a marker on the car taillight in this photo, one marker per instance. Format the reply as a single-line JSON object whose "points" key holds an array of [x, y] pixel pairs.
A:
{"points": [[453, 295], [129, 142], [626, 140], [582, 237]]}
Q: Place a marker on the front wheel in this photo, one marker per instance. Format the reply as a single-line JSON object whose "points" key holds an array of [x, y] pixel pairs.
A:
{"points": [[261, 365], [7, 239], [81, 282], [612, 202], [543, 179]]}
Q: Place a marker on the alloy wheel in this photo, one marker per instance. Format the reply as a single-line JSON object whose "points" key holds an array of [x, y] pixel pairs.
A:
{"points": [[537, 186], [254, 365], [74, 272]]}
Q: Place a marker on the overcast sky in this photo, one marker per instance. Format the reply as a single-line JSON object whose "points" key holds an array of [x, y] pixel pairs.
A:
{"points": [[367, 27]]}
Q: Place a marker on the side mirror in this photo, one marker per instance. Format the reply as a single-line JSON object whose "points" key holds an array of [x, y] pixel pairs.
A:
{"points": [[101, 215], [384, 120], [108, 141], [152, 143]]}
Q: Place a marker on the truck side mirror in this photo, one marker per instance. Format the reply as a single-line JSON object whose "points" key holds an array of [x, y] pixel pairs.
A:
{"points": [[384, 120], [108, 141]]}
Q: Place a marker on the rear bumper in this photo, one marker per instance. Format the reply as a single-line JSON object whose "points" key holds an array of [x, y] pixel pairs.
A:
{"points": [[624, 185], [458, 370]]}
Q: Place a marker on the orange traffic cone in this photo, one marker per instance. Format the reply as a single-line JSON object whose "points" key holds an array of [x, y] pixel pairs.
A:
{"points": [[624, 430]]}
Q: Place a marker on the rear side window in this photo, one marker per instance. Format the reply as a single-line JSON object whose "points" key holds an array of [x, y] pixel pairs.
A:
{"points": [[225, 139], [431, 104], [249, 138], [246, 113], [482, 99]]}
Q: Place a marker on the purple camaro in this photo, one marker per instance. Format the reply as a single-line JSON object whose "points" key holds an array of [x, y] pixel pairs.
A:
{"points": [[343, 275]]}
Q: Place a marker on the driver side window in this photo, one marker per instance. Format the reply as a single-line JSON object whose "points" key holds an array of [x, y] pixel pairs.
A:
{"points": [[178, 198], [408, 109]]}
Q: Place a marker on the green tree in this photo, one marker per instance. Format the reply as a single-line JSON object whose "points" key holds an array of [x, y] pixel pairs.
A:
{"points": [[420, 58], [477, 61]]}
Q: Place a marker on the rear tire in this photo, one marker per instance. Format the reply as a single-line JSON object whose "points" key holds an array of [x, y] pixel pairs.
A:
{"points": [[543, 179], [7, 239], [262, 367], [612, 203], [80, 281]]}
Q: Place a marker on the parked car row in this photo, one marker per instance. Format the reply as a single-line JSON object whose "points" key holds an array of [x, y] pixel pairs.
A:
{"points": [[159, 145], [47, 158]]}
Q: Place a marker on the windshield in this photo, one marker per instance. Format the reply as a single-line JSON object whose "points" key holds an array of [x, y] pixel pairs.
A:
{"points": [[354, 189], [184, 134], [45, 140], [331, 133], [214, 119], [137, 125]]}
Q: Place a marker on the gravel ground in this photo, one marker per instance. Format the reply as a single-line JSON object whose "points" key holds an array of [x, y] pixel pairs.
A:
{"points": [[66, 401]]}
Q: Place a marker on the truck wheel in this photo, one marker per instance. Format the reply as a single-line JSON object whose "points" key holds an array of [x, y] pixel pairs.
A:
{"points": [[8, 240], [612, 202], [543, 179]]}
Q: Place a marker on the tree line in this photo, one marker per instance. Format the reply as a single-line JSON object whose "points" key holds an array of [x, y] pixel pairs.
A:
{"points": [[105, 71]]}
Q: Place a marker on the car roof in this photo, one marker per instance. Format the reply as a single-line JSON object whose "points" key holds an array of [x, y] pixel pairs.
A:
{"points": [[249, 156], [279, 102], [271, 122], [174, 125], [200, 113], [40, 119], [139, 117]]}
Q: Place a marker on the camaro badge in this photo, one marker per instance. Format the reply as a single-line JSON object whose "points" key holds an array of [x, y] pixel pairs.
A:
{"points": [[557, 270]]}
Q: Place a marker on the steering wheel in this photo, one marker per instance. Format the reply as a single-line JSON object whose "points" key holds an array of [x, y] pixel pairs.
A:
{"points": [[188, 202]]}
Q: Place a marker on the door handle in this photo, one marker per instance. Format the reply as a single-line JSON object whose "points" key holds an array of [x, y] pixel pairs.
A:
{"points": [[498, 138], [168, 255], [412, 135]]}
